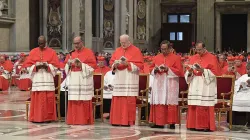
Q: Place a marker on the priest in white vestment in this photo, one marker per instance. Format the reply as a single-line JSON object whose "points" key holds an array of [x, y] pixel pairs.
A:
{"points": [[241, 99], [107, 92]]}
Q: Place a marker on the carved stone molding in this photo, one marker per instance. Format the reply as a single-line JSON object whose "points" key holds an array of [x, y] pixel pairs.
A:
{"points": [[179, 9], [232, 7], [54, 23], [108, 24]]}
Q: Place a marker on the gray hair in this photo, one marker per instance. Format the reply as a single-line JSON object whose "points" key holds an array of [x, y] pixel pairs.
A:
{"points": [[125, 36]]}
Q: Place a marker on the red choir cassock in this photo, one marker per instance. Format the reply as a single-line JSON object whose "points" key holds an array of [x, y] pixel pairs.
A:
{"points": [[43, 105], [165, 93], [202, 93], [126, 85], [6, 68], [147, 63], [24, 83], [80, 110], [101, 67], [222, 65], [240, 66]]}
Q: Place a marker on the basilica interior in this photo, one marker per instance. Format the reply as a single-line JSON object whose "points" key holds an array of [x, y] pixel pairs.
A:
{"points": [[223, 25]]}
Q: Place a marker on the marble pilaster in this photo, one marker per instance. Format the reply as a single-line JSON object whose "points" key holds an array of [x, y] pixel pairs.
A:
{"points": [[117, 23], [75, 18], [21, 30], [218, 31], [248, 32], [205, 23], [131, 20], [88, 23]]}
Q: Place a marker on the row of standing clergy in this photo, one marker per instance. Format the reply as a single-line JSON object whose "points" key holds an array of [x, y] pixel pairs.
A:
{"points": [[42, 63]]}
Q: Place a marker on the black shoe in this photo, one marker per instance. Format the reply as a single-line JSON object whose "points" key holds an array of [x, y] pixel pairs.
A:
{"points": [[125, 125], [143, 117], [115, 125], [157, 126], [206, 130], [192, 129], [172, 126], [108, 117]]}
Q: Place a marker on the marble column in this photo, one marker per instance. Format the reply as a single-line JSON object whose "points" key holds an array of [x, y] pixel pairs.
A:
{"points": [[147, 21], [88, 23], [76, 18], [218, 31], [248, 32], [65, 25], [101, 18], [135, 20], [22, 25], [131, 20], [205, 23], [117, 23], [45, 15], [123, 14]]}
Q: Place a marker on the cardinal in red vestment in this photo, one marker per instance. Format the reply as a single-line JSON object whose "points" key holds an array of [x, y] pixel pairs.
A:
{"points": [[147, 63], [24, 82], [80, 65], [101, 67], [126, 63], [222, 61], [202, 95], [240, 66], [5, 70], [42, 64], [167, 69]]}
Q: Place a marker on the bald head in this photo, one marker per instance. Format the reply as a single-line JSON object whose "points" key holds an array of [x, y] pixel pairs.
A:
{"points": [[78, 44], [41, 42], [125, 41]]}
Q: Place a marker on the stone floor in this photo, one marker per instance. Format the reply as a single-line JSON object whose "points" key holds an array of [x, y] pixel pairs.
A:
{"points": [[13, 125]]}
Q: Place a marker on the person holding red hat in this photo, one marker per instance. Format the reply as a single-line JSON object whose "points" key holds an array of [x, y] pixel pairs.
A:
{"points": [[240, 66], [166, 70], [230, 69], [101, 67], [5, 70]]}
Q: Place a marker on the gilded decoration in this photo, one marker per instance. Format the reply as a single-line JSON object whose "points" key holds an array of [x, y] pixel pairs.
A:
{"points": [[3, 8], [54, 23], [108, 24], [141, 9], [108, 5], [141, 20]]}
